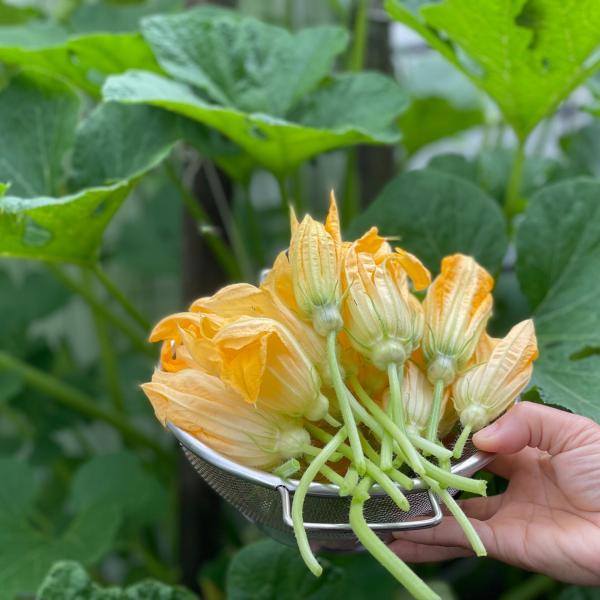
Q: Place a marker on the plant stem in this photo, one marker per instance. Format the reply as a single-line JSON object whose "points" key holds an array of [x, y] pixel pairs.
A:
{"points": [[334, 477], [109, 363], [512, 201], [436, 409], [120, 297], [410, 580], [358, 457], [287, 469], [460, 517], [536, 586], [80, 402], [459, 446], [314, 451], [218, 247], [448, 479], [123, 326], [298, 503], [395, 376]]}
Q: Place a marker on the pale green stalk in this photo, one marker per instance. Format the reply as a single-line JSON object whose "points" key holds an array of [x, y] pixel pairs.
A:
{"points": [[459, 445], [410, 580], [436, 409], [300, 494], [358, 458], [449, 479]]}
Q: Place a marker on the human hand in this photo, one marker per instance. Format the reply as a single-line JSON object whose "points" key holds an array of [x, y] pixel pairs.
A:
{"points": [[548, 519]]}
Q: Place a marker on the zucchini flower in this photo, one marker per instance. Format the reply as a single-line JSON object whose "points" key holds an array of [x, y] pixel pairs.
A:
{"points": [[261, 359], [315, 260], [382, 319], [457, 308], [217, 415], [484, 392]]}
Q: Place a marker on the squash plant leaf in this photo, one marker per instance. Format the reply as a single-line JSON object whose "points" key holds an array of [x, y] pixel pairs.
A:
{"points": [[434, 214], [558, 263], [262, 87], [68, 580], [28, 550], [527, 55], [40, 217], [84, 60]]}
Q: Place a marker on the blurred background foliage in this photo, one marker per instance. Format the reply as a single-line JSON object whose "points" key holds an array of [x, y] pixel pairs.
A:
{"points": [[87, 475]]}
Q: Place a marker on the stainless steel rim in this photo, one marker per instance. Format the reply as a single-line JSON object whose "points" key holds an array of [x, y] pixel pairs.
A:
{"points": [[465, 467]]}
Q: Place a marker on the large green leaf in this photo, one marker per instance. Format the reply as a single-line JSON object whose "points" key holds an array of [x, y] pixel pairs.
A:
{"points": [[113, 147], [267, 570], [243, 63], [582, 149], [38, 115], [262, 87], [434, 214], [139, 496], [528, 55], [27, 551], [85, 60], [277, 144], [69, 581], [558, 264]]}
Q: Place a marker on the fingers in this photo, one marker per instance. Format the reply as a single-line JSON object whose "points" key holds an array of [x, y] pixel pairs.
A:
{"points": [[527, 424], [413, 552], [481, 509]]}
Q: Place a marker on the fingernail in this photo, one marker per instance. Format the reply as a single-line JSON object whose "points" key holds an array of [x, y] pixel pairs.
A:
{"points": [[487, 434]]}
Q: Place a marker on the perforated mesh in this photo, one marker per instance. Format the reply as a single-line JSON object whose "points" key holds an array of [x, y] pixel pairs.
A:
{"points": [[263, 506]]}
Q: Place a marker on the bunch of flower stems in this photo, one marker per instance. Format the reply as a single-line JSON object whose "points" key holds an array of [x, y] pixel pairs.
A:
{"points": [[376, 448]]}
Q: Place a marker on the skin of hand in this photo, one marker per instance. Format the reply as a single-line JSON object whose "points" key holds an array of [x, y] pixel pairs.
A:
{"points": [[548, 519]]}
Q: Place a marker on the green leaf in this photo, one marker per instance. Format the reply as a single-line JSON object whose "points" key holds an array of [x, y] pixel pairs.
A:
{"points": [[69, 581], [582, 149], [119, 142], [277, 144], [140, 498], [527, 55], [243, 63], [38, 115], [558, 246], [579, 593], [27, 551], [10, 14], [430, 119], [434, 214], [83, 60], [67, 229], [262, 87], [112, 17], [267, 570]]}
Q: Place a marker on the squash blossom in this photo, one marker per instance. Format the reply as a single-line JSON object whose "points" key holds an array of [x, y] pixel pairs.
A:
{"points": [[261, 359], [457, 308], [210, 410], [315, 255], [383, 320], [484, 392]]}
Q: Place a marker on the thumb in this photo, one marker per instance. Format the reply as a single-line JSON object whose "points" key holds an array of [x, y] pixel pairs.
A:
{"points": [[537, 426]]}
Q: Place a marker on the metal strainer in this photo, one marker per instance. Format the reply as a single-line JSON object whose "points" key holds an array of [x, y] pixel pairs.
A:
{"points": [[265, 499]]}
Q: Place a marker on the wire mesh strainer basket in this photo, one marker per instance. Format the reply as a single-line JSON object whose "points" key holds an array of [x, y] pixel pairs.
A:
{"points": [[265, 499]]}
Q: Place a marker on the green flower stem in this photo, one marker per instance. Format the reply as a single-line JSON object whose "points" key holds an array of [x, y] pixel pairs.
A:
{"points": [[120, 297], [372, 469], [287, 469], [459, 515], [412, 457], [430, 447], [436, 409], [512, 199], [459, 446], [395, 376], [387, 444], [109, 363], [80, 402], [333, 477], [218, 247], [136, 340], [410, 580], [358, 458], [350, 482], [314, 451], [330, 420], [298, 503], [448, 479]]}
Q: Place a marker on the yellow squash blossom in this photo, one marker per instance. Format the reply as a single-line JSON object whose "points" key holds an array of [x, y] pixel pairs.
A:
{"points": [[205, 407], [487, 390], [457, 308], [315, 260], [382, 318], [261, 359]]}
